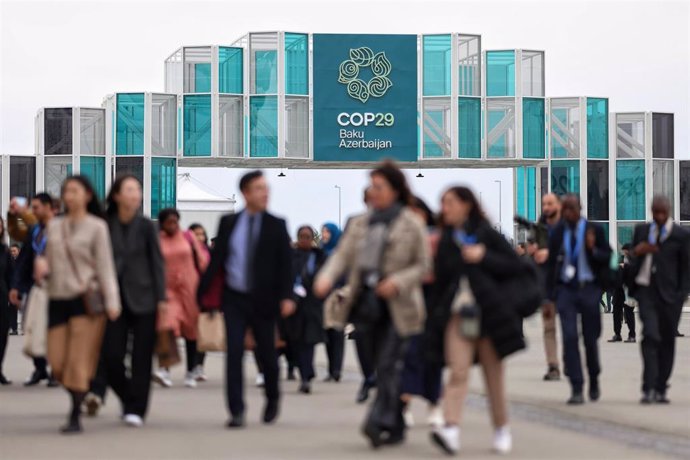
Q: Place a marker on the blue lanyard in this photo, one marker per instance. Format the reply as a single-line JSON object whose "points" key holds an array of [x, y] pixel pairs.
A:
{"points": [[652, 228], [38, 246], [571, 255], [461, 237]]}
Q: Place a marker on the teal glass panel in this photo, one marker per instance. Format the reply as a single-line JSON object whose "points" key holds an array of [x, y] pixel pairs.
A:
{"points": [[436, 72], [202, 78], [266, 62], [597, 128], [197, 126], [437, 128], [230, 70], [606, 227], [500, 73], [533, 128], [520, 190], [93, 168], [163, 184], [565, 177], [630, 190], [526, 192], [625, 234], [470, 127], [296, 64], [500, 119], [129, 135], [263, 126], [532, 193]]}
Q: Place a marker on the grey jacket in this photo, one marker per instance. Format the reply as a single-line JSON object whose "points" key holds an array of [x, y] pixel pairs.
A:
{"points": [[138, 263]]}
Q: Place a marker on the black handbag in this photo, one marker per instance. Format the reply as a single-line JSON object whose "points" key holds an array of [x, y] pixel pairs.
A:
{"points": [[368, 309]]}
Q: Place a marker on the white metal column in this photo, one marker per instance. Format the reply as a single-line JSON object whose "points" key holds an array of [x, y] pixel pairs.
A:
{"points": [[613, 211], [310, 75], [518, 105], [5, 184], [215, 102], [76, 140], [148, 104], [582, 108], [648, 165], [281, 94], [454, 94]]}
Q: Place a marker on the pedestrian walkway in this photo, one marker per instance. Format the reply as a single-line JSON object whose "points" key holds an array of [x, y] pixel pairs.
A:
{"points": [[188, 423]]}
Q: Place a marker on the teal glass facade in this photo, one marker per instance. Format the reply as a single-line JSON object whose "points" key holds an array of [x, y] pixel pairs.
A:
{"points": [[500, 73], [202, 78], [436, 65], [94, 169], [129, 131], [565, 176], [500, 123], [630, 190], [263, 126], [469, 127], [296, 64], [197, 126], [533, 128], [625, 233], [526, 192], [163, 184], [597, 128], [230, 70]]}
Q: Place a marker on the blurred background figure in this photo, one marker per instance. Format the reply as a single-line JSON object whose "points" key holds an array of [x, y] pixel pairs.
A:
{"points": [[473, 315], [661, 284], [335, 339], [185, 262], [386, 254], [6, 268], [201, 236], [82, 287], [623, 304], [14, 312]]}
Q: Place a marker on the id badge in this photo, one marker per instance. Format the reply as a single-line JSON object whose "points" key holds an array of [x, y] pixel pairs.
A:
{"points": [[569, 272], [300, 291]]}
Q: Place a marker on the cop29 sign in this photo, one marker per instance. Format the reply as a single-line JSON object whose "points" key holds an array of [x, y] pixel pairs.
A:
{"points": [[365, 97]]}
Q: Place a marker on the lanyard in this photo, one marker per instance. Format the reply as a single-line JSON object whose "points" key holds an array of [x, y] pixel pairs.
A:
{"points": [[572, 254], [652, 231], [461, 237], [38, 240]]}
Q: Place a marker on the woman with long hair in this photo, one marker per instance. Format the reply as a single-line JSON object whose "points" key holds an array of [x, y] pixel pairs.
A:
{"points": [[185, 261], [139, 267], [472, 314], [6, 266], [198, 231], [82, 287], [384, 251]]}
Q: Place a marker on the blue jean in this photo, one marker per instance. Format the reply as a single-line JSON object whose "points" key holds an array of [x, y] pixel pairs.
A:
{"points": [[583, 301]]}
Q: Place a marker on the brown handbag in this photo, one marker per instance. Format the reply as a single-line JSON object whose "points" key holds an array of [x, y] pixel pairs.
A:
{"points": [[166, 349], [93, 299]]}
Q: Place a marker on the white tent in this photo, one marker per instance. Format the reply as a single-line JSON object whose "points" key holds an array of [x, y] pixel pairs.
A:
{"points": [[198, 205]]}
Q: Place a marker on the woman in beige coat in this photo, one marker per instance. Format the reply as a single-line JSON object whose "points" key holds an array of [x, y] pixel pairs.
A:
{"points": [[82, 287], [385, 254]]}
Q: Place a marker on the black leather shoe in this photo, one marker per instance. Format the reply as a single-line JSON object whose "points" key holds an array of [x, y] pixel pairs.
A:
{"points": [[291, 375], [305, 388], [615, 338], [648, 397], [237, 421], [71, 427], [52, 383], [631, 339], [576, 399], [35, 378], [363, 393], [373, 434], [4, 380], [271, 411], [660, 398], [678, 334], [594, 392]]}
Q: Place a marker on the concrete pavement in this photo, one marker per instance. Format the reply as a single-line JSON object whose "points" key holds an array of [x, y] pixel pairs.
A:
{"points": [[186, 423]]}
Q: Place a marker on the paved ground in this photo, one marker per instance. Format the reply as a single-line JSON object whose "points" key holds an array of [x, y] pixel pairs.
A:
{"points": [[188, 423]]}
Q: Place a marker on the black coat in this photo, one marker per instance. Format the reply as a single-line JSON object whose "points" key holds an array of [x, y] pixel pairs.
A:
{"points": [[499, 319], [306, 325], [672, 262], [23, 277], [139, 264], [598, 258], [272, 264], [6, 272]]}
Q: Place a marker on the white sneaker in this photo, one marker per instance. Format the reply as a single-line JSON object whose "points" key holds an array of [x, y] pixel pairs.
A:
{"points": [[503, 440], [190, 380], [199, 373], [435, 417], [447, 438], [133, 420], [260, 380], [408, 418], [162, 377]]}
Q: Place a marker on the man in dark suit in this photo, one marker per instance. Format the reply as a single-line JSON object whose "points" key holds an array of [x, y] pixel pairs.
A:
{"points": [[253, 259], [578, 264], [661, 270]]}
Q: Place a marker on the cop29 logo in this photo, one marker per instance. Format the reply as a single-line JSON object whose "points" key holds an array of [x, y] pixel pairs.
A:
{"points": [[350, 74]]}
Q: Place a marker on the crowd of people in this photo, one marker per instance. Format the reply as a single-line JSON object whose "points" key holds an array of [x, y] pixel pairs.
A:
{"points": [[417, 292]]}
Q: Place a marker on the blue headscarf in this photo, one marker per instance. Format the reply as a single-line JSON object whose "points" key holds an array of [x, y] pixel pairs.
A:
{"points": [[335, 237]]}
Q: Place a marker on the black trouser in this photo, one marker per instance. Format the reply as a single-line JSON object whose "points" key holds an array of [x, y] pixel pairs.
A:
{"points": [[389, 354], [134, 390], [621, 310], [335, 348], [583, 302], [192, 354], [5, 320], [659, 325], [239, 315], [14, 319], [364, 344], [306, 362]]}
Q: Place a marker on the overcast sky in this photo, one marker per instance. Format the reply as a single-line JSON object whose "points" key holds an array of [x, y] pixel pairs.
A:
{"points": [[59, 53]]}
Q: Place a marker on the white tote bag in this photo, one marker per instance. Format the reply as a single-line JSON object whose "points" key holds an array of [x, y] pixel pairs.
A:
{"points": [[36, 324]]}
